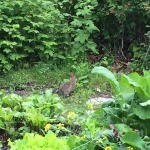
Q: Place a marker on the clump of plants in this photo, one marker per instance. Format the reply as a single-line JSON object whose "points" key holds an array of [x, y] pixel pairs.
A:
{"points": [[35, 141], [59, 30], [19, 115], [122, 123]]}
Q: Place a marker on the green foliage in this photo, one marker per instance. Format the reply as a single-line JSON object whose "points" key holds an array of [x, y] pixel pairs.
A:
{"points": [[57, 30], [35, 141], [133, 139], [141, 54], [31, 31], [130, 108], [117, 124], [83, 25], [119, 23], [28, 114], [105, 72]]}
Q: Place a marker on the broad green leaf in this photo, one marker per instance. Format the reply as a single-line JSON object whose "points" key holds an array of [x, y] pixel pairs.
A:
{"points": [[142, 112], [123, 128], [27, 105], [147, 79], [109, 75], [139, 90], [72, 139], [133, 139], [33, 31], [59, 56], [127, 91], [146, 73], [22, 38], [49, 44], [16, 26], [85, 11], [59, 106], [2, 124], [90, 26], [18, 114], [140, 80], [28, 49]]}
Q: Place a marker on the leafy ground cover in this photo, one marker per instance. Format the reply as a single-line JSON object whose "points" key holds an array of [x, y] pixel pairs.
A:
{"points": [[47, 40], [46, 118], [43, 76]]}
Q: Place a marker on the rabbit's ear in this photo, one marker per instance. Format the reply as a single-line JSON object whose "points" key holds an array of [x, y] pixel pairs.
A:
{"points": [[71, 75]]}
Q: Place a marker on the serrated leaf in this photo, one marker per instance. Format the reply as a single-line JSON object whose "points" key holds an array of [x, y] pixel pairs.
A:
{"points": [[41, 47], [82, 37], [49, 44], [76, 23], [92, 46]]}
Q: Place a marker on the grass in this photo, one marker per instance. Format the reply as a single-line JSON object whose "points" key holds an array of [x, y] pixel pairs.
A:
{"points": [[43, 76]]}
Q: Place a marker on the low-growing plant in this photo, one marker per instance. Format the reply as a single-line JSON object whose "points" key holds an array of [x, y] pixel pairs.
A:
{"points": [[120, 124], [128, 114], [28, 114], [35, 141]]}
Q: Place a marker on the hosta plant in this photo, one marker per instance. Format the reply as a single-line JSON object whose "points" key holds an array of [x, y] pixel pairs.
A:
{"points": [[129, 114]]}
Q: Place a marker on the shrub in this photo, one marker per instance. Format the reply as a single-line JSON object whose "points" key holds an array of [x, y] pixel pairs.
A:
{"points": [[31, 31]]}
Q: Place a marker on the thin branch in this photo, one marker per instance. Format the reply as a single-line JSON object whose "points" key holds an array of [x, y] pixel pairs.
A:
{"points": [[122, 44]]}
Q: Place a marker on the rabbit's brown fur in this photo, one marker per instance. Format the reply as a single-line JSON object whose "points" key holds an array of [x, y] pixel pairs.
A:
{"points": [[66, 88]]}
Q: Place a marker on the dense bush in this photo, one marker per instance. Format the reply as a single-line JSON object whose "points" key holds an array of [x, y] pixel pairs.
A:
{"points": [[122, 26], [54, 30], [31, 30]]}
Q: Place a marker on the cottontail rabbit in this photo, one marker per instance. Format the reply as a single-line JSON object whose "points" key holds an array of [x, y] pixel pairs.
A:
{"points": [[66, 88]]}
